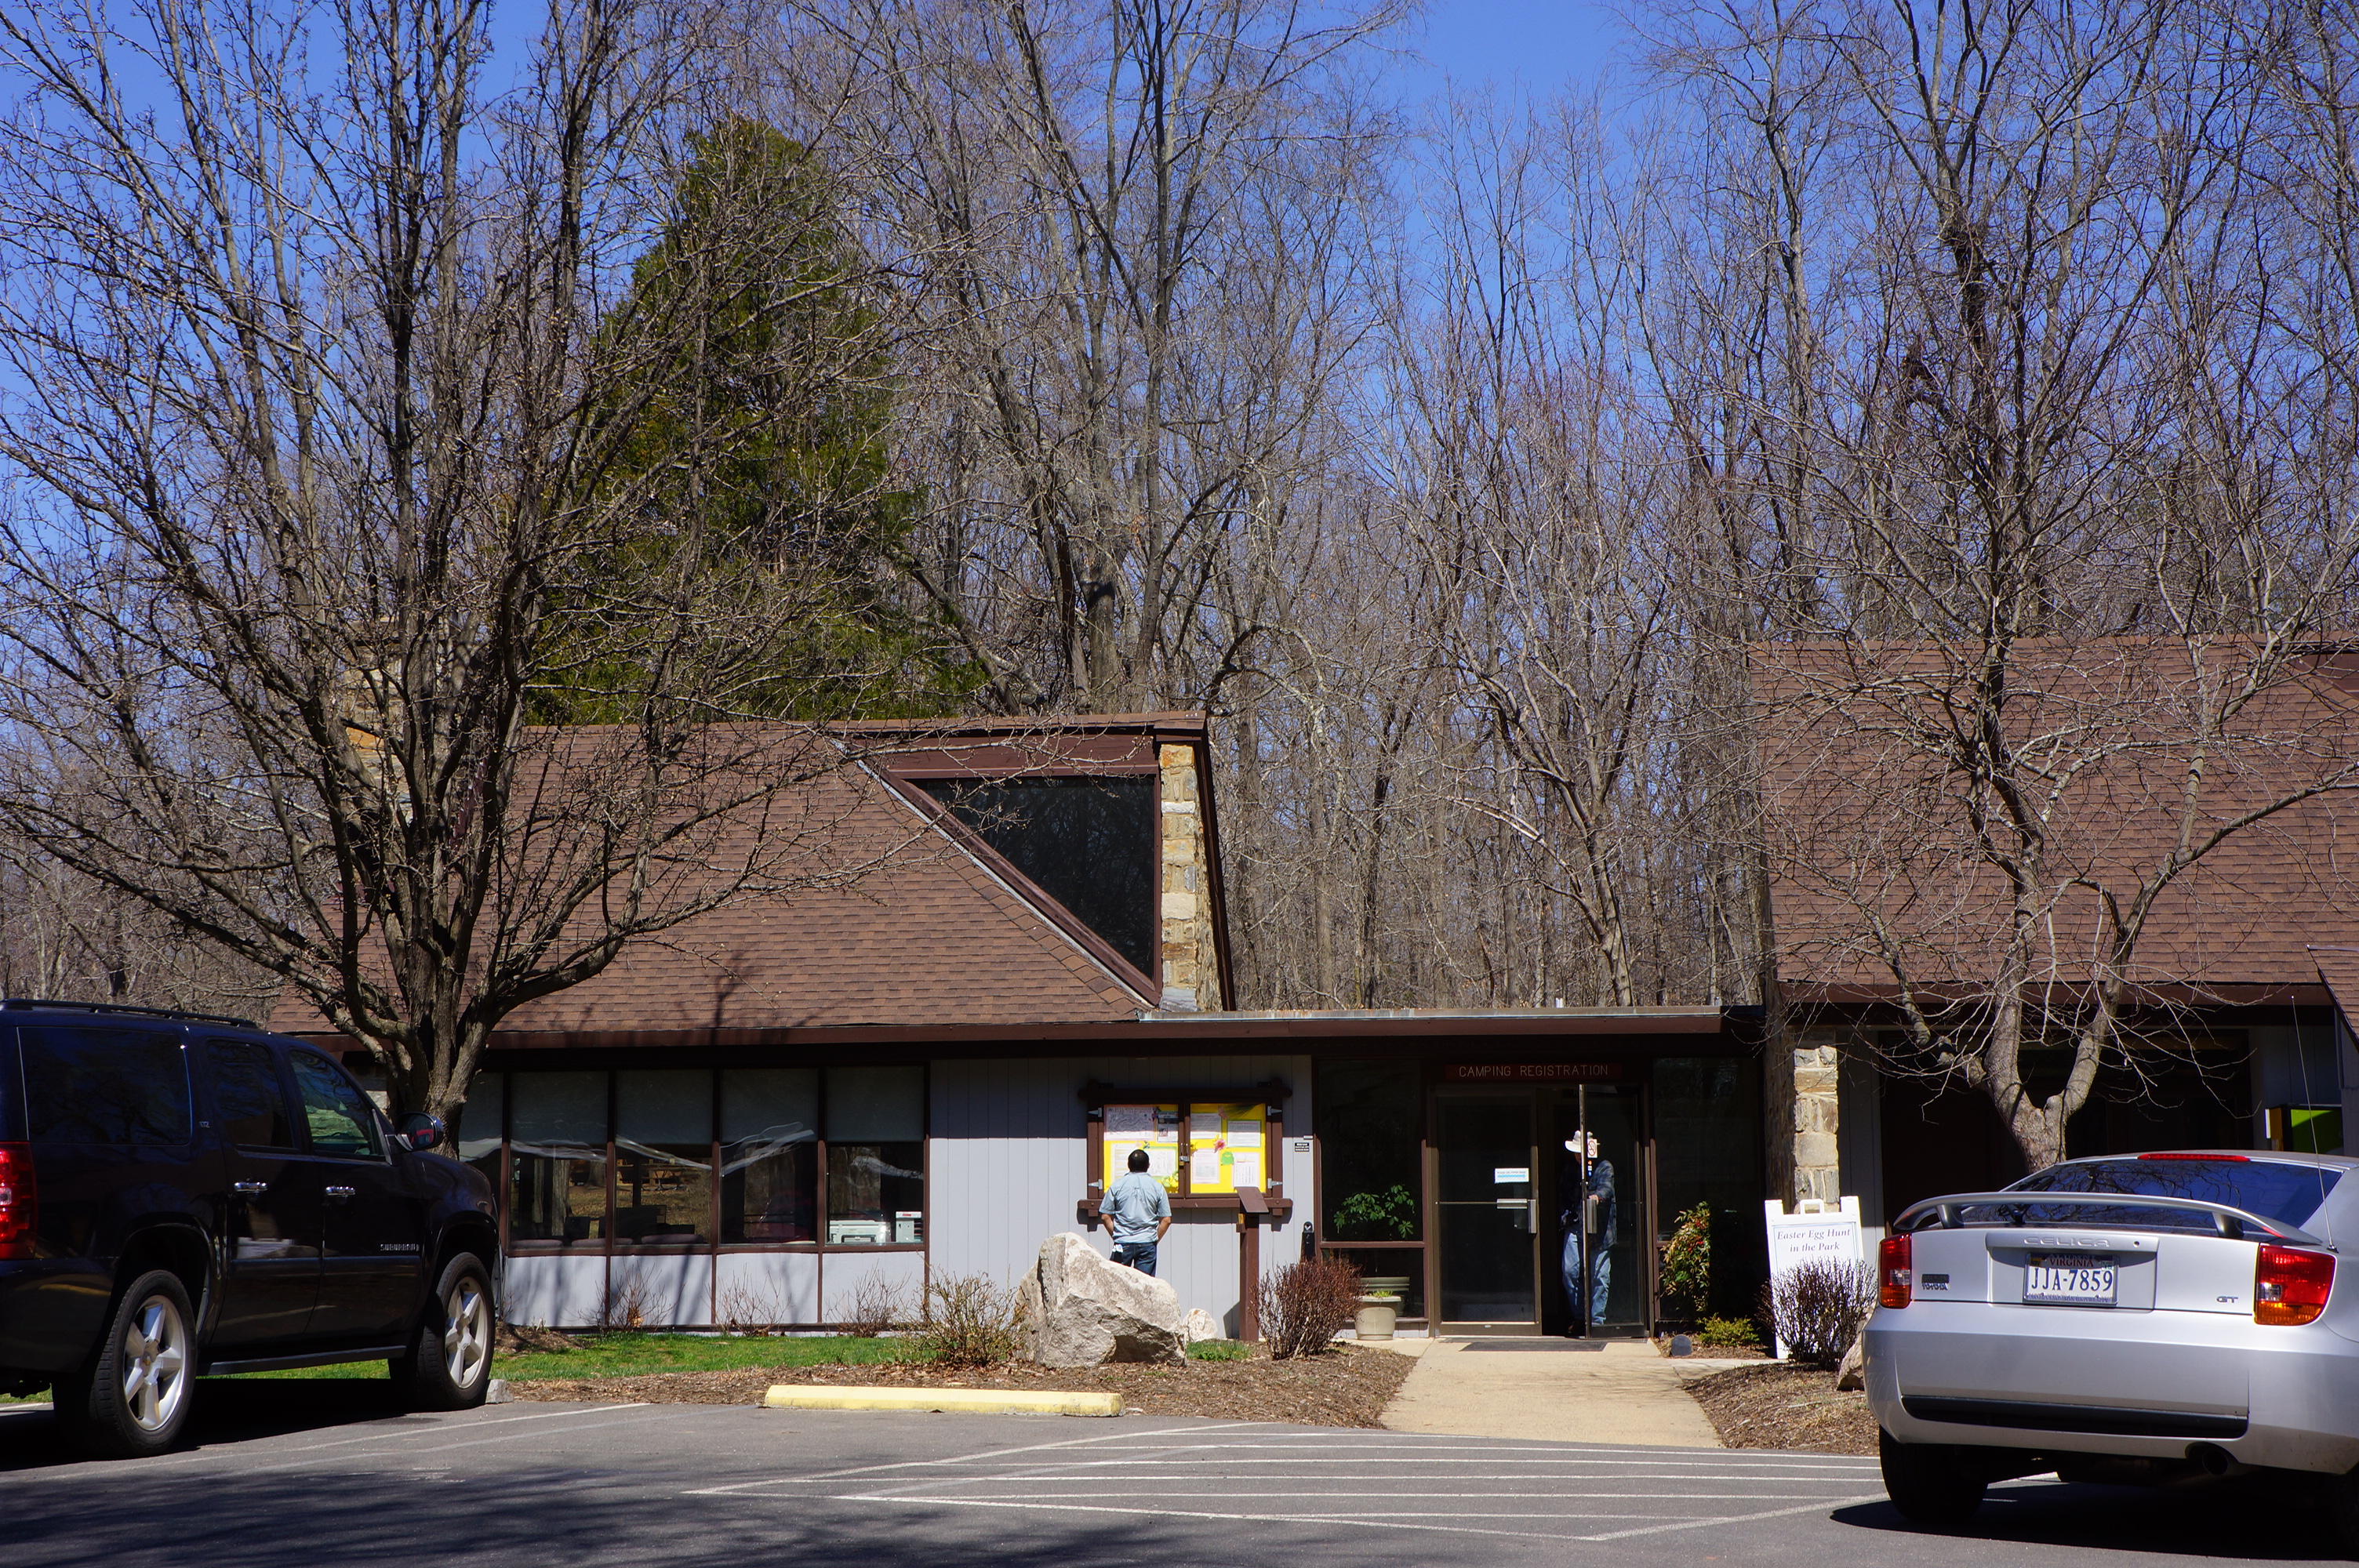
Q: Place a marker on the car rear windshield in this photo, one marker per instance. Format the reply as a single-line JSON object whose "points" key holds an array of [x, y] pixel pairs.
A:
{"points": [[2277, 1190]]}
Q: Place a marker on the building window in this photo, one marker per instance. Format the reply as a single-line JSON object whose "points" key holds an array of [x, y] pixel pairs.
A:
{"points": [[876, 1156], [476, 1139], [558, 1151], [1369, 1178], [1708, 1150], [663, 1158], [1089, 843], [704, 1160], [770, 1149]]}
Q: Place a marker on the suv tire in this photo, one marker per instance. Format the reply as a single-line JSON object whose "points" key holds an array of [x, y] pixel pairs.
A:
{"points": [[1930, 1483], [449, 1366], [131, 1399]]}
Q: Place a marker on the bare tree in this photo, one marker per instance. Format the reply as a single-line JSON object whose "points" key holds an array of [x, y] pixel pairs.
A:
{"points": [[2083, 569], [330, 389], [1142, 225]]}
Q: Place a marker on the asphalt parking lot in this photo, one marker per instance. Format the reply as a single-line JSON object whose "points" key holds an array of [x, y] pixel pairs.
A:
{"points": [[312, 1472]]}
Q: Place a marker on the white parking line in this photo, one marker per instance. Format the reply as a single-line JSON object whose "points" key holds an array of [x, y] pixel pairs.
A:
{"points": [[1738, 1519], [960, 1459], [229, 1453], [1353, 1480]]}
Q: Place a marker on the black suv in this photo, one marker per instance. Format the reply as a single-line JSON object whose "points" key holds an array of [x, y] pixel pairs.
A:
{"points": [[183, 1195]]}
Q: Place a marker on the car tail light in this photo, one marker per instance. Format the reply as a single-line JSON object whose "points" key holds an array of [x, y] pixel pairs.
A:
{"points": [[2290, 1285], [18, 1208], [1894, 1281], [2174, 1154]]}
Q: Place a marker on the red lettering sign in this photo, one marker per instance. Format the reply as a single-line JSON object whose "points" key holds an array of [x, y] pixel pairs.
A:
{"points": [[1532, 1072]]}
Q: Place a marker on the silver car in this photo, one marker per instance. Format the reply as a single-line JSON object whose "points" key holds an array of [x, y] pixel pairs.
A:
{"points": [[2148, 1318]]}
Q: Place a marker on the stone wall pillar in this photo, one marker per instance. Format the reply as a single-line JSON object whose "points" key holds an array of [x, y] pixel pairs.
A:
{"points": [[1815, 1118], [1191, 968], [1801, 1108]]}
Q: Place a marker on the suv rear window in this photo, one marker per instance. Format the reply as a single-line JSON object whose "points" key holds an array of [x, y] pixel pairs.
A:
{"points": [[2278, 1190], [104, 1085]]}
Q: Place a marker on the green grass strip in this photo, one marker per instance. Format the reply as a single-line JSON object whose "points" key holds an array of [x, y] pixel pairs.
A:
{"points": [[636, 1355]]}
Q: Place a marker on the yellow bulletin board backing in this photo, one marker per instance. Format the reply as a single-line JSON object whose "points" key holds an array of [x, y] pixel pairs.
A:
{"points": [[1224, 1147], [1154, 1128]]}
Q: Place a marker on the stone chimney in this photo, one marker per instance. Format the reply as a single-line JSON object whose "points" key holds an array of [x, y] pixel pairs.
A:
{"points": [[1192, 966]]}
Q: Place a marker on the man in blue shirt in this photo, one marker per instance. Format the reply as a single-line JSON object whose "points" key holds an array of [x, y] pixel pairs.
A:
{"points": [[1137, 1212]]}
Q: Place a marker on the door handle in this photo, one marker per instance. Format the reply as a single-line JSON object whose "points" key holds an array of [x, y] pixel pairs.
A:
{"points": [[341, 1193], [250, 1189]]}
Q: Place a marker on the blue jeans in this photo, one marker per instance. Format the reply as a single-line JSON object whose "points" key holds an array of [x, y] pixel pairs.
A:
{"points": [[1139, 1255], [1600, 1275]]}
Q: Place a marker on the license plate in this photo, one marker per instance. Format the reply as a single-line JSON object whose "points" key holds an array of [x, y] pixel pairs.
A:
{"points": [[2066, 1279]]}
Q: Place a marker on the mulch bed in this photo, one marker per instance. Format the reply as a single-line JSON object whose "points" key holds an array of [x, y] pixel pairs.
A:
{"points": [[1783, 1406], [1340, 1388]]}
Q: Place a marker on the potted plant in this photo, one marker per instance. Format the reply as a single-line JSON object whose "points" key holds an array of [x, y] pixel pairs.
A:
{"points": [[1378, 1310]]}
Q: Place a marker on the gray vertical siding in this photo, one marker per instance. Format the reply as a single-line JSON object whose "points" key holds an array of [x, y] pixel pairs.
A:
{"points": [[903, 1274], [552, 1291], [1007, 1159], [768, 1287]]}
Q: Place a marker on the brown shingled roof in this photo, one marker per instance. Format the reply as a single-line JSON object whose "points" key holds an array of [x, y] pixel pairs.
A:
{"points": [[931, 927], [1871, 851]]}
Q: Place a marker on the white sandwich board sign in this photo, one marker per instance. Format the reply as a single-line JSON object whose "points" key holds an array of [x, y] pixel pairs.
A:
{"points": [[1815, 1233]]}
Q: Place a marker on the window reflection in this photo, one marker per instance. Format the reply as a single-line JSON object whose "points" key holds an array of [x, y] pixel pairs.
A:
{"points": [[663, 1157], [876, 1193], [683, 1177], [477, 1136], [769, 1143], [558, 1151], [876, 1156]]}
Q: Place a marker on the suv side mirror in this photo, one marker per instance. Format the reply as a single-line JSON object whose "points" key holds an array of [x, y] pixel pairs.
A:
{"points": [[419, 1130]]}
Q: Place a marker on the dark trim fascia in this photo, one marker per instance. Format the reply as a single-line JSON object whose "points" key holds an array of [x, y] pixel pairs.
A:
{"points": [[2175, 994], [1507, 1037]]}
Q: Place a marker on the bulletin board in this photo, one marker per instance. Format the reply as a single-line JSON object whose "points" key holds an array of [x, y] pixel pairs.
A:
{"points": [[1154, 1128], [1202, 1150], [1224, 1147]]}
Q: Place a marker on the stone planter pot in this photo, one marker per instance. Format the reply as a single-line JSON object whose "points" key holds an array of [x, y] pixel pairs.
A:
{"points": [[1374, 1318]]}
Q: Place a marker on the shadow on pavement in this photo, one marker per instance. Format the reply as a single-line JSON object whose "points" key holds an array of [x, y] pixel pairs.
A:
{"points": [[227, 1409], [2255, 1519]]}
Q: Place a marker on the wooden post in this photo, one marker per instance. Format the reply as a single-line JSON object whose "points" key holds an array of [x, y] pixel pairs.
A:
{"points": [[1252, 1207]]}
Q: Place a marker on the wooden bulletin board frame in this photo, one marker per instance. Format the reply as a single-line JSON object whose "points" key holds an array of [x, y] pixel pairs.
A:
{"points": [[1269, 1095]]}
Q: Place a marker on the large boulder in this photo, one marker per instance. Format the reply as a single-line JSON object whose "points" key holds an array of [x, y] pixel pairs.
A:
{"points": [[1853, 1374], [1080, 1310]]}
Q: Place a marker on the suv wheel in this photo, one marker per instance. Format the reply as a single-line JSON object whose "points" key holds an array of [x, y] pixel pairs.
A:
{"points": [[450, 1365], [1930, 1483], [132, 1399]]}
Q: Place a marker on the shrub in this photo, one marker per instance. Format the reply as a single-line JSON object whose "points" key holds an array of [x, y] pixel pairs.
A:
{"points": [[1726, 1333], [970, 1320], [877, 1307], [1388, 1216], [1687, 1260], [1219, 1350], [1304, 1305], [1817, 1308]]}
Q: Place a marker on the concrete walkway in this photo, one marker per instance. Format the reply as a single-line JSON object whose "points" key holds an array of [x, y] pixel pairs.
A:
{"points": [[1625, 1393]]}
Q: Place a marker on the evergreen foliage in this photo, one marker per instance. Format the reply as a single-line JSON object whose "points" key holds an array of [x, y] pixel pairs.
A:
{"points": [[756, 473]]}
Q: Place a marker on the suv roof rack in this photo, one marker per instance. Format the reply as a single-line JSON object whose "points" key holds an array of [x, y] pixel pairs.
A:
{"points": [[28, 1004]]}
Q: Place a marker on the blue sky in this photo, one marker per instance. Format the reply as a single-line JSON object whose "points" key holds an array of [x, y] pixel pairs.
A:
{"points": [[1536, 43]]}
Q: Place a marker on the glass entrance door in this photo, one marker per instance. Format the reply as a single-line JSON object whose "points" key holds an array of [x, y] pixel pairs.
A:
{"points": [[1485, 1209], [1598, 1265]]}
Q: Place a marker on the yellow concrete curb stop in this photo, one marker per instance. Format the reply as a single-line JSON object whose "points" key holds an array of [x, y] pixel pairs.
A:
{"points": [[975, 1402]]}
